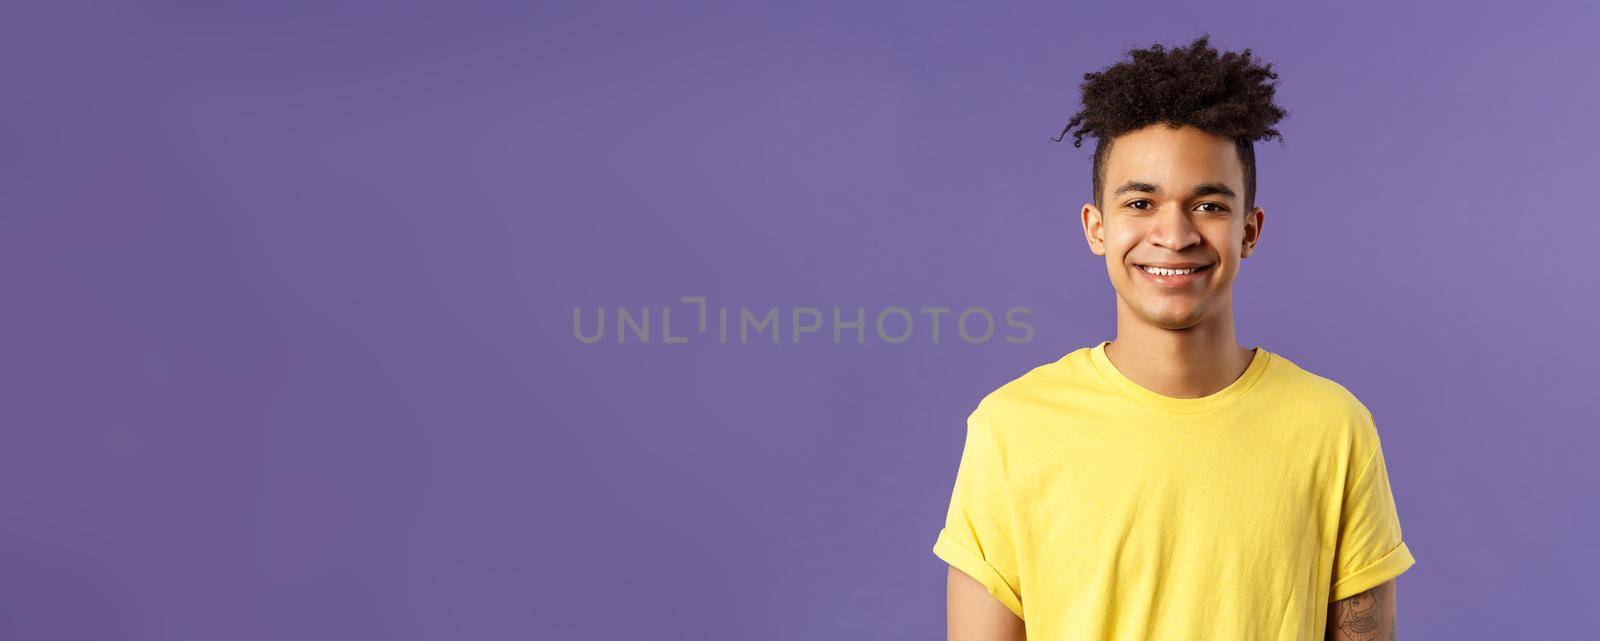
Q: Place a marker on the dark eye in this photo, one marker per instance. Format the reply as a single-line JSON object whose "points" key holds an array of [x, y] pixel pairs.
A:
{"points": [[1137, 202], [1219, 208]]}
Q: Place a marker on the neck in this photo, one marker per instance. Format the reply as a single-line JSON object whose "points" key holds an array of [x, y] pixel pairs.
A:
{"points": [[1192, 362]]}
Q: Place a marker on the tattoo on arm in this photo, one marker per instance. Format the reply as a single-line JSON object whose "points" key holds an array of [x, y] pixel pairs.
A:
{"points": [[1368, 616]]}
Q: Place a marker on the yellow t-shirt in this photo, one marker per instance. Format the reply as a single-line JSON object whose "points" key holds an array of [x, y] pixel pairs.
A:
{"points": [[1095, 508]]}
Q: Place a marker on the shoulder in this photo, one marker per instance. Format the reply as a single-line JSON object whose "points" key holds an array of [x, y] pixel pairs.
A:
{"points": [[1034, 391], [1038, 380], [1313, 395], [1305, 386]]}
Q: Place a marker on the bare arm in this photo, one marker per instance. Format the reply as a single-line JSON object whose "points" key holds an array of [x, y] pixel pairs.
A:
{"points": [[1368, 616], [975, 615]]}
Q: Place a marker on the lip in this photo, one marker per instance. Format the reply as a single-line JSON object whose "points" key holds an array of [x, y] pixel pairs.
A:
{"points": [[1176, 281]]}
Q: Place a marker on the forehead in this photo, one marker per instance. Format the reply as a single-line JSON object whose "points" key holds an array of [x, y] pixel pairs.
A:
{"points": [[1173, 158]]}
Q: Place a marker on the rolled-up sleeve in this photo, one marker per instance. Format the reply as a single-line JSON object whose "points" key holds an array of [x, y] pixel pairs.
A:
{"points": [[1370, 548], [978, 537]]}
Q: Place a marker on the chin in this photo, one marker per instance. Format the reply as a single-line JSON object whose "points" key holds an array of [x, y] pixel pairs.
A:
{"points": [[1176, 325], [1175, 319]]}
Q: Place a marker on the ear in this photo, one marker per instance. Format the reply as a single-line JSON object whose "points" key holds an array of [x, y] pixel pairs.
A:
{"points": [[1094, 229], [1252, 231]]}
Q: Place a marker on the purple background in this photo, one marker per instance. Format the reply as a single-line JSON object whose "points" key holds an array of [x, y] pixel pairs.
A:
{"points": [[288, 347]]}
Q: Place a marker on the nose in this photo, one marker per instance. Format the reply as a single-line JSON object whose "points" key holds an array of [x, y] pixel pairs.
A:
{"points": [[1173, 229]]}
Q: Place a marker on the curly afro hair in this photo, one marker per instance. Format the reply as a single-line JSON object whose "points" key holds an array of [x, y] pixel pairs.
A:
{"points": [[1227, 94]]}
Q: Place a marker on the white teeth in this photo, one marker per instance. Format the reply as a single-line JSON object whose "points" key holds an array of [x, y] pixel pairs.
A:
{"points": [[1161, 271]]}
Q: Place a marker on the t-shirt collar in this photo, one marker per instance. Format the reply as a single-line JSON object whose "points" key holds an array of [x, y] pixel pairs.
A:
{"points": [[1229, 394]]}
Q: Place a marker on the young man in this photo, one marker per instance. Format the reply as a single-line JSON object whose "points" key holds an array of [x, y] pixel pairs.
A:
{"points": [[1170, 483]]}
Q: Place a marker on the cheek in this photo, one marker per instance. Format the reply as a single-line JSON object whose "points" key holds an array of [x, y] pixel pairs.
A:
{"points": [[1229, 235], [1118, 245]]}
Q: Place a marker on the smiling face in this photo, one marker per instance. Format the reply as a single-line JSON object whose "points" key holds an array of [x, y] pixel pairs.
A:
{"points": [[1173, 198]]}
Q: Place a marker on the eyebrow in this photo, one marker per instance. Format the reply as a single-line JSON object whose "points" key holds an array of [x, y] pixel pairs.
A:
{"points": [[1205, 189]]}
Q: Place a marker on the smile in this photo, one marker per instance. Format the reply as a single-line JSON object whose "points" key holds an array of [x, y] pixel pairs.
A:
{"points": [[1175, 277], [1163, 271]]}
